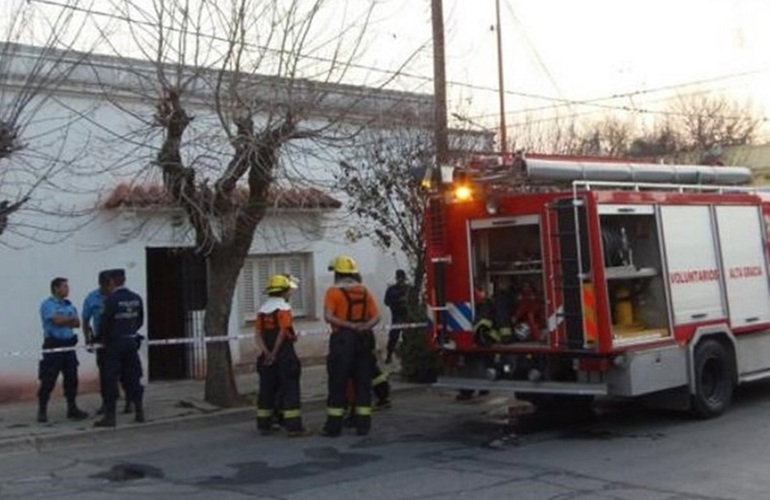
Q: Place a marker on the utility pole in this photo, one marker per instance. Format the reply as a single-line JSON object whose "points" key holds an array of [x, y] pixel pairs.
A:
{"points": [[439, 85], [435, 203], [501, 84]]}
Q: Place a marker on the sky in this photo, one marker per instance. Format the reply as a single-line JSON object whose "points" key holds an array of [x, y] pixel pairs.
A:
{"points": [[569, 50], [627, 57]]}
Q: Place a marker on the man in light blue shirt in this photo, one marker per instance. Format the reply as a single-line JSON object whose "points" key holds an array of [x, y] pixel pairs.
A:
{"points": [[59, 317], [92, 309]]}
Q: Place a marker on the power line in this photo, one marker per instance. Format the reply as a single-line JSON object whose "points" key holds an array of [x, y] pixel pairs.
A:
{"points": [[596, 101], [558, 101]]}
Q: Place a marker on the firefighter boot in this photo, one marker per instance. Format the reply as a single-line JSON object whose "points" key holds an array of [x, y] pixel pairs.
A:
{"points": [[75, 413], [363, 424], [138, 411], [332, 427], [108, 420]]}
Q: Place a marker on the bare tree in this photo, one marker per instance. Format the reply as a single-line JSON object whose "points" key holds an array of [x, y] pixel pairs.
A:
{"points": [[705, 121], [661, 140], [31, 70], [689, 126], [268, 73], [608, 136], [382, 184]]}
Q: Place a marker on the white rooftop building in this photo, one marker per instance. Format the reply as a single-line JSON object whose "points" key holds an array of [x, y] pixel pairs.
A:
{"points": [[102, 206]]}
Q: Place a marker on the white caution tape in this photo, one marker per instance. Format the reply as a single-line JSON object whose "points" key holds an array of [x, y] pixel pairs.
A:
{"points": [[187, 340]]}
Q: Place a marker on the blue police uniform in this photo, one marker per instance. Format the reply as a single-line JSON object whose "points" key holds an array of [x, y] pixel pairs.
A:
{"points": [[121, 320], [93, 306], [92, 310], [53, 363]]}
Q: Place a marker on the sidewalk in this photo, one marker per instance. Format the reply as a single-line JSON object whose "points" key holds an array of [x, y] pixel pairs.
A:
{"points": [[165, 403]]}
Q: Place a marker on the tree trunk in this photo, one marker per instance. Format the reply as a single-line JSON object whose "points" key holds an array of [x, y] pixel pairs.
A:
{"points": [[224, 267]]}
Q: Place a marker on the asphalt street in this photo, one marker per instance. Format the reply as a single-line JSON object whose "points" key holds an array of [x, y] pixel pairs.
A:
{"points": [[427, 446]]}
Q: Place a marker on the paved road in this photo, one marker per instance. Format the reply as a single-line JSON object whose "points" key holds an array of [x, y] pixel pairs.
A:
{"points": [[427, 446]]}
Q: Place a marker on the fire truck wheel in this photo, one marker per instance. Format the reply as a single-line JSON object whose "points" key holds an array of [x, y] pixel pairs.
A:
{"points": [[714, 379]]}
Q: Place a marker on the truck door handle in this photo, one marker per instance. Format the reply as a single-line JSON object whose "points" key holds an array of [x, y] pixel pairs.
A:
{"points": [[698, 316], [751, 319]]}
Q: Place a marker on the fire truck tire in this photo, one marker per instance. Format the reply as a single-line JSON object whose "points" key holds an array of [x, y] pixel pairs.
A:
{"points": [[714, 370]]}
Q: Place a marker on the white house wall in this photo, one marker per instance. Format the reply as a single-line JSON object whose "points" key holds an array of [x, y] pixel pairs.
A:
{"points": [[79, 247], [27, 272]]}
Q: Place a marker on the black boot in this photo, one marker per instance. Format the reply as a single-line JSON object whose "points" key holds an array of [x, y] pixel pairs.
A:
{"points": [[75, 413], [139, 411], [108, 420], [42, 412]]}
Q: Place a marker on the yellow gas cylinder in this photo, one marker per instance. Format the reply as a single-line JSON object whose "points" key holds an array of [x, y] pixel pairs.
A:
{"points": [[624, 307]]}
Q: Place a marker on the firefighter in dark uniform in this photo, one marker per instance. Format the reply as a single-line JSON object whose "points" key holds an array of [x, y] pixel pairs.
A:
{"points": [[352, 312], [122, 317], [59, 317], [278, 366]]}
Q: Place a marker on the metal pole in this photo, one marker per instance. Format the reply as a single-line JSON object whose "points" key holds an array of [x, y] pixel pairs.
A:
{"points": [[501, 84]]}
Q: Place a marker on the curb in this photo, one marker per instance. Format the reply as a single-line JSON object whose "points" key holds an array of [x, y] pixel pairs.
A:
{"points": [[98, 435]]}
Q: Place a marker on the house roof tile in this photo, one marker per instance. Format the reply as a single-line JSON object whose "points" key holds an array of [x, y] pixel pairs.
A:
{"points": [[156, 196]]}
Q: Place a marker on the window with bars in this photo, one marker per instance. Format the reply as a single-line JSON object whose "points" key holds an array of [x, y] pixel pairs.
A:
{"points": [[257, 269]]}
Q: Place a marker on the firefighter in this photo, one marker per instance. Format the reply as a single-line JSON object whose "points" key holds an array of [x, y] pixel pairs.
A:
{"points": [[122, 318], [352, 312], [380, 389], [278, 366], [380, 382]]}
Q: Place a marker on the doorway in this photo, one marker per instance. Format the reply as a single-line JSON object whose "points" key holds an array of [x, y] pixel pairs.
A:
{"points": [[176, 301]]}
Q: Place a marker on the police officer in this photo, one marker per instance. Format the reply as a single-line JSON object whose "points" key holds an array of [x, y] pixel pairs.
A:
{"points": [[351, 311], [278, 365], [122, 317], [59, 317], [93, 306], [396, 298]]}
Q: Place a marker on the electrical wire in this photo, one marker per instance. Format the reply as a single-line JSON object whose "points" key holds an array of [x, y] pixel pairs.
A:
{"points": [[556, 102]]}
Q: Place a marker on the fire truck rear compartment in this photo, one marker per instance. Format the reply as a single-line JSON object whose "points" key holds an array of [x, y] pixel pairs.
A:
{"points": [[633, 274], [508, 279], [508, 263]]}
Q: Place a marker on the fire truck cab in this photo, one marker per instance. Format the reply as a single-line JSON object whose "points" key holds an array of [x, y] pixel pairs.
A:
{"points": [[637, 280]]}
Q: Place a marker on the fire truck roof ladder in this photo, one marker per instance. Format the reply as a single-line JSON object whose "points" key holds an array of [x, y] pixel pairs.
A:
{"points": [[642, 186]]}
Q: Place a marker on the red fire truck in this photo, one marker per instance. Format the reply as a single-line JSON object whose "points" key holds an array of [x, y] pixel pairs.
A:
{"points": [[635, 281]]}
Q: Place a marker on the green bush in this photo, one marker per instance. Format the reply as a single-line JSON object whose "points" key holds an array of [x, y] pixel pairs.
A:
{"points": [[419, 361]]}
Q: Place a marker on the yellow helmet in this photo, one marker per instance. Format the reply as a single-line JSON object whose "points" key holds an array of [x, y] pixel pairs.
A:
{"points": [[280, 283], [343, 264]]}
